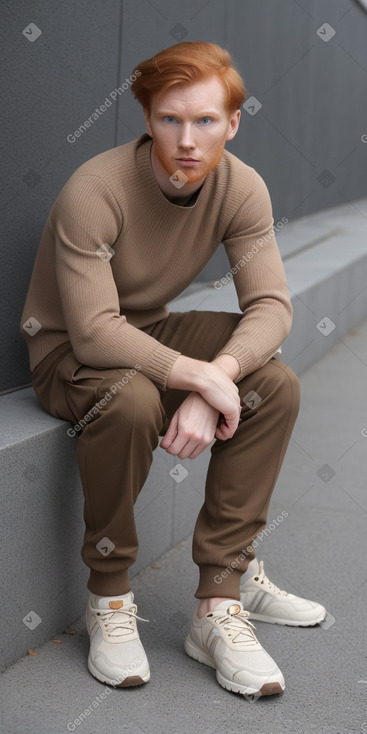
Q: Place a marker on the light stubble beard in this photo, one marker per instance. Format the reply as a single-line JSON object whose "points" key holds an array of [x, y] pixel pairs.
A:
{"points": [[197, 173]]}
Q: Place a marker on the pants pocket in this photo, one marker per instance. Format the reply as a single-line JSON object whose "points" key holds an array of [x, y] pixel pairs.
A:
{"points": [[81, 398]]}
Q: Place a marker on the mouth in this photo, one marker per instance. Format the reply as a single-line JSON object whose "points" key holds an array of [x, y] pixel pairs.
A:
{"points": [[187, 161]]}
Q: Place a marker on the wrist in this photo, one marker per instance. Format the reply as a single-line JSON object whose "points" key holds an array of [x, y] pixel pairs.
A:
{"points": [[229, 364], [186, 374]]}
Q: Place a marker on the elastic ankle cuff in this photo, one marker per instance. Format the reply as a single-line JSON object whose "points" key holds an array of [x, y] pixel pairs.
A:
{"points": [[109, 584], [219, 581]]}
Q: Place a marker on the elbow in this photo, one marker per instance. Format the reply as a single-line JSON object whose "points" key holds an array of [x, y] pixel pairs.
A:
{"points": [[88, 354]]}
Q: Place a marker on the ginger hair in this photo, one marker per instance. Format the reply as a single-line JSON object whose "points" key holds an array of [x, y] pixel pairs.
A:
{"points": [[186, 63]]}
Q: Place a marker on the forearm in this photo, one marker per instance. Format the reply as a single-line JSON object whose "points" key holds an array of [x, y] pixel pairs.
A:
{"points": [[191, 374], [187, 374]]}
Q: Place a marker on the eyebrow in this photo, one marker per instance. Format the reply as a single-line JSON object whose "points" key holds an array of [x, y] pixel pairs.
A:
{"points": [[206, 113]]}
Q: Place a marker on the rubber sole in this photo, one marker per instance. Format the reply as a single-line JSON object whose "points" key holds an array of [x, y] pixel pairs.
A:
{"points": [[267, 689], [287, 623], [131, 680]]}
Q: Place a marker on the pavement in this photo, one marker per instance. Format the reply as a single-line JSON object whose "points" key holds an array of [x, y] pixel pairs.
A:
{"points": [[318, 551]]}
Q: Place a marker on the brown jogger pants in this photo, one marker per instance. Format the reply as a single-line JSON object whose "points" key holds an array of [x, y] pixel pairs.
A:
{"points": [[119, 414]]}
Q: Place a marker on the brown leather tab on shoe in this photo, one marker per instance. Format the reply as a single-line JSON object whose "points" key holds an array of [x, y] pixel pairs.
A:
{"points": [[116, 604]]}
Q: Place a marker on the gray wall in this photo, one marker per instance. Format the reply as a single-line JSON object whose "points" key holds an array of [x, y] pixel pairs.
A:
{"points": [[312, 119]]}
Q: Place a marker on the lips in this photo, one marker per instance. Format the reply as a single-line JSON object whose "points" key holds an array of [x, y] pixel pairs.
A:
{"points": [[188, 160]]}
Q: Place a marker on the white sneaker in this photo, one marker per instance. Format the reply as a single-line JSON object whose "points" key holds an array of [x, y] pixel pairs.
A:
{"points": [[225, 640], [116, 654], [266, 603]]}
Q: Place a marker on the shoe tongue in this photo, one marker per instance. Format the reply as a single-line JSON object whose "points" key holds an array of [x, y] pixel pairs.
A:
{"points": [[231, 606], [113, 602]]}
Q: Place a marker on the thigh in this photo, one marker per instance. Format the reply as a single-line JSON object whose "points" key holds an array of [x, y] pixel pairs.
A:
{"points": [[70, 390]]}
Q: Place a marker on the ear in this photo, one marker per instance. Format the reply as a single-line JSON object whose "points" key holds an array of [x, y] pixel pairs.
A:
{"points": [[233, 124], [147, 122]]}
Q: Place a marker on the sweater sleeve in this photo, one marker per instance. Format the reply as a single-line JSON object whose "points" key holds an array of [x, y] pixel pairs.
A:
{"points": [[87, 219], [260, 282]]}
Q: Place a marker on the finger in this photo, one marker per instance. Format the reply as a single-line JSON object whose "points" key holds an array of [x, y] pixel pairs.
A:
{"points": [[195, 447], [192, 450], [199, 450], [178, 444], [170, 434], [222, 434], [232, 427], [175, 446], [226, 429]]}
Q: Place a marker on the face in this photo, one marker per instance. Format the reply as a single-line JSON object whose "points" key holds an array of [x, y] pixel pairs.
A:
{"points": [[190, 126]]}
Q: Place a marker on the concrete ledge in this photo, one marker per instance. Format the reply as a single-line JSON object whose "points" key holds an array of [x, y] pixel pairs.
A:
{"points": [[44, 578], [42, 524]]}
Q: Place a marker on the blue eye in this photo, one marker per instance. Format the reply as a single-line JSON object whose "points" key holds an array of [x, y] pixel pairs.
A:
{"points": [[169, 119], [205, 120]]}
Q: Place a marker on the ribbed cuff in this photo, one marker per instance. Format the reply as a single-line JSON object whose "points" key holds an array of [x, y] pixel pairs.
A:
{"points": [[160, 364], [219, 581], [109, 584]]}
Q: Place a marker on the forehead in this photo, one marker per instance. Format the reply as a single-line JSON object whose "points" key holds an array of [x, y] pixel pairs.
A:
{"points": [[209, 92]]}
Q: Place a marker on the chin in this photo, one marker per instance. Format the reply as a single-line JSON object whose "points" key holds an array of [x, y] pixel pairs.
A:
{"points": [[195, 174], [193, 177]]}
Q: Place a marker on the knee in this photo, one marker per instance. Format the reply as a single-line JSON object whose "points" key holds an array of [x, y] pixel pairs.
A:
{"points": [[285, 387], [274, 384]]}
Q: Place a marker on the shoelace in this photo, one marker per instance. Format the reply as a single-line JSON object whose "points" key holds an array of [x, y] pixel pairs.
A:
{"points": [[237, 626], [119, 627], [269, 584]]}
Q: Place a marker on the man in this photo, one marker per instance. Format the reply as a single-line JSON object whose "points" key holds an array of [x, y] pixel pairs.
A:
{"points": [[128, 232]]}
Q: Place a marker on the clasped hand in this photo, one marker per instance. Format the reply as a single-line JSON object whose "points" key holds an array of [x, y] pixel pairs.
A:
{"points": [[211, 410]]}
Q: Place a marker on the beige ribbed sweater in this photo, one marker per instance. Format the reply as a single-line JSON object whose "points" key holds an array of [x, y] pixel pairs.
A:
{"points": [[98, 298]]}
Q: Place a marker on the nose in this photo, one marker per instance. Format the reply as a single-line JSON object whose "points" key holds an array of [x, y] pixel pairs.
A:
{"points": [[186, 137]]}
